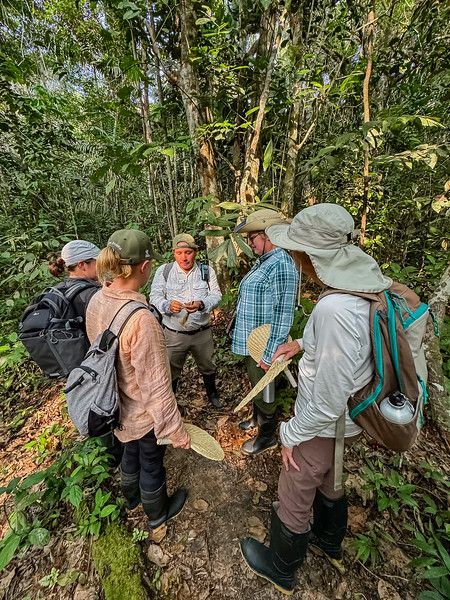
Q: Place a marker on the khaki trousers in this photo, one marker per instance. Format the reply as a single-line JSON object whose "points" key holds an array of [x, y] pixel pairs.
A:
{"points": [[297, 489], [200, 345]]}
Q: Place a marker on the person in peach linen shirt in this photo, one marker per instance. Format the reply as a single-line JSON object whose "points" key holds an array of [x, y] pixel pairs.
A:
{"points": [[148, 407]]}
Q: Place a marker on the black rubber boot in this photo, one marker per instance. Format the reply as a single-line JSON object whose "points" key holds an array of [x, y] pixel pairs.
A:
{"points": [[129, 484], [159, 507], [250, 423], [277, 563], [265, 439], [211, 390], [174, 385], [329, 528]]}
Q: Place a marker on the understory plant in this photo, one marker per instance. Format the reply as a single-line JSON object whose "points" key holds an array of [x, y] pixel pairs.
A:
{"points": [[74, 487], [414, 498]]}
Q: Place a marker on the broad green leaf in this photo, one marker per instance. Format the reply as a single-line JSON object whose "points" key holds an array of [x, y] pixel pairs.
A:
{"points": [[243, 245], [107, 510], [11, 486], [39, 536], [33, 479], [232, 256], [430, 595], [230, 205], [268, 153], [110, 186], [8, 547], [75, 495], [251, 111], [434, 573], [168, 152], [215, 254], [28, 499]]}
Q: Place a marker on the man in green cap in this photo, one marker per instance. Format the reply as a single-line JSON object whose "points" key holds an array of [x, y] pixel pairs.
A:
{"points": [[185, 292]]}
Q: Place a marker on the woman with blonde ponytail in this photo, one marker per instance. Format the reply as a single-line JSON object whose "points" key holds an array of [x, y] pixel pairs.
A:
{"points": [[148, 407]]}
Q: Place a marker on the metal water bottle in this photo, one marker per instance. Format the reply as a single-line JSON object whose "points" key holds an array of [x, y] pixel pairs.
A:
{"points": [[396, 408]]}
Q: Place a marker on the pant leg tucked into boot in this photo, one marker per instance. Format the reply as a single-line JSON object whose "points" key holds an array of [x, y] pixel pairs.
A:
{"points": [[129, 484], [329, 527], [211, 390], [159, 507], [278, 562]]}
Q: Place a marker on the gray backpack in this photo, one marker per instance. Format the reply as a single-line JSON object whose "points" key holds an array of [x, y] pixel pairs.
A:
{"points": [[92, 392]]}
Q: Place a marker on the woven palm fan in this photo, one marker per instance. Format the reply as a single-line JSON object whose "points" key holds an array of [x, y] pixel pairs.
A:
{"points": [[201, 442], [256, 344]]}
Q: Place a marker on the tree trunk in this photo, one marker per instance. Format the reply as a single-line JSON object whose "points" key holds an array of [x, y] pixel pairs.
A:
{"points": [[368, 34], [438, 395], [249, 182]]}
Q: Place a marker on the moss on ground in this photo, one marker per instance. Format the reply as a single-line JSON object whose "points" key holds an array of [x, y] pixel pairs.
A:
{"points": [[117, 559]]}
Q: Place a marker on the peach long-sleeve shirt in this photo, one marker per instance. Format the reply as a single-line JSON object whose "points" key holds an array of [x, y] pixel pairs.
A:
{"points": [[143, 372]]}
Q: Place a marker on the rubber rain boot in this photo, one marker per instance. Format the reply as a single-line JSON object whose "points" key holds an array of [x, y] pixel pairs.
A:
{"points": [[329, 528], [159, 507]]}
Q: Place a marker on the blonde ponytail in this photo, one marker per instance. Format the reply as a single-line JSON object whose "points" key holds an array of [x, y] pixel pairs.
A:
{"points": [[109, 266]]}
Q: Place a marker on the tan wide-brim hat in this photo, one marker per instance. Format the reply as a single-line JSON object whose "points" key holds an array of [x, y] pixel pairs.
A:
{"points": [[259, 220], [325, 232]]}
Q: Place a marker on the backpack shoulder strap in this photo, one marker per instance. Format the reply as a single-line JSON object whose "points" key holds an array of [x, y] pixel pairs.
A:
{"points": [[123, 315], [77, 288], [166, 270]]}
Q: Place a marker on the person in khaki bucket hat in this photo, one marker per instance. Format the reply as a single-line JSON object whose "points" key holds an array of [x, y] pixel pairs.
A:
{"points": [[185, 292], [266, 296], [337, 361]]}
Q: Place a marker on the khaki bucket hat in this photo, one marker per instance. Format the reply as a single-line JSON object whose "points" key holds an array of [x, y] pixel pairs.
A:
{"points": [[325, 232], [260, 219]]}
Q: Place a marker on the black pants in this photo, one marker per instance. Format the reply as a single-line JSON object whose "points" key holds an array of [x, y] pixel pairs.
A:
{"points": [[146, 457]]}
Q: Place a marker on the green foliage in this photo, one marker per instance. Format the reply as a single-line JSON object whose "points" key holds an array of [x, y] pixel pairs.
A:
{"points": [[139, 535], [424, 516], [73, 484], [47, 441], [366, 547]]}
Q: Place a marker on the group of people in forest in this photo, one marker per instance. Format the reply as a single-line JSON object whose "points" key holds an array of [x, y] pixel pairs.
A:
{"points": [[336, 362]]}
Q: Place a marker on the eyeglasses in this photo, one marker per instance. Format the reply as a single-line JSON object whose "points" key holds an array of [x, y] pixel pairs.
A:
{"points": [[252, 237]]}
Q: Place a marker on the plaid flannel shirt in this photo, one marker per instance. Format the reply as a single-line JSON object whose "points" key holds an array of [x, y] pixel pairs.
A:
{"points": [[267, 294]]}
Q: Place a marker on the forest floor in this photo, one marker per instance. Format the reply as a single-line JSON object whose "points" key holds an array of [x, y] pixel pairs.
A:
{"points": [[199, 556]]}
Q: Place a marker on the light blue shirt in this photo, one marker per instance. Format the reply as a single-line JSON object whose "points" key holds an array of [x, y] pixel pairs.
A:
{"points": [[266, 295]]}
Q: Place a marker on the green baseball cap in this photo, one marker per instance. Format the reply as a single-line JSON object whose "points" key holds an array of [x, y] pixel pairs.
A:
{"points": [[184, 240], [133, 246]]}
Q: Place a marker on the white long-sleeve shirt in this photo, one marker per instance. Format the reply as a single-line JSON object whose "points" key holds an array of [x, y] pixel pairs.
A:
{"points": [[337, 362], [184, 287]]}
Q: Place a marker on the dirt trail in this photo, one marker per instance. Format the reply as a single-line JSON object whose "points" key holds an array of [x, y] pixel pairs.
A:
{"points": [[199, 557]]}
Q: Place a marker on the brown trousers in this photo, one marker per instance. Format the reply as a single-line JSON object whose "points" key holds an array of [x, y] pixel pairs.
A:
{"points": [[297, 489], [200, 345]]}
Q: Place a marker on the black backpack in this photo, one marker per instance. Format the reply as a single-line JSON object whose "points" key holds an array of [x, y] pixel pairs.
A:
{"points": [[52, 331]]}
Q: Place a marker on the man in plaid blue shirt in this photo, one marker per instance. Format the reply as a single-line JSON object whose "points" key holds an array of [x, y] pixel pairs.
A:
{"points": [[266, 295]]}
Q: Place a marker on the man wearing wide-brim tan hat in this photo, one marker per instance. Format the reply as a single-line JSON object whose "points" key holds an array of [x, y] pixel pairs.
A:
{"points": [[337, 361], [266, 296], [185, 292]]}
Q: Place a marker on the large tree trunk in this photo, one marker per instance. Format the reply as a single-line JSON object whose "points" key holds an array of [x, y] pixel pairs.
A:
{"points": [[249, 183], [288, 190], [196, 115], [439, 396]]}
